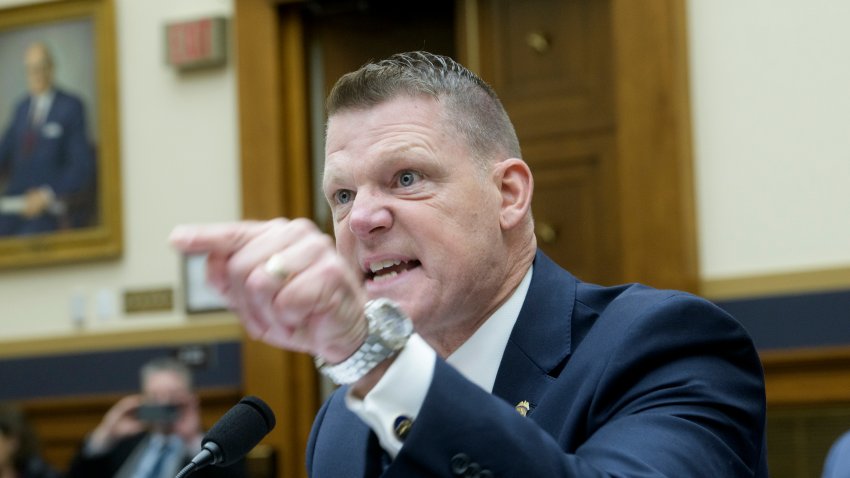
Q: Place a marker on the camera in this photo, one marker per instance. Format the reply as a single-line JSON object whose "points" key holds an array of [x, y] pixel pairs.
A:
{"points": [[161, 413]]}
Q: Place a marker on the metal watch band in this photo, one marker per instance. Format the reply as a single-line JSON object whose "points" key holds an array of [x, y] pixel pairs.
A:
{"points": [[389, 329]]}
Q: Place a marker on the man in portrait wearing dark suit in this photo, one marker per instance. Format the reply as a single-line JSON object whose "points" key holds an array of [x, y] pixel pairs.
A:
{"points": [[47, 165], [462, 350]]}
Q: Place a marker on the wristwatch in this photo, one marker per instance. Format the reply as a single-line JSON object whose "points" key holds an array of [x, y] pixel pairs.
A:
{"points": [[389, 329]]}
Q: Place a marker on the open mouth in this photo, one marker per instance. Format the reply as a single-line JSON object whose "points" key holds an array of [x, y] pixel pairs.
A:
{"points": [[383, 270]]}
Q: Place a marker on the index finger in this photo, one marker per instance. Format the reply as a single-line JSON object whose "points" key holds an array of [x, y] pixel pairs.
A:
{"points": [[220, 237]]}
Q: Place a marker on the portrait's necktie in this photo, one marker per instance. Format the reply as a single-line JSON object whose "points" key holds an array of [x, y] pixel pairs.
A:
{"points": [[30, 133]]}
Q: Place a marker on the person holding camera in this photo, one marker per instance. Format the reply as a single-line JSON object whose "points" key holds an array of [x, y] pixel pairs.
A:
{"points": [[149, 435]]}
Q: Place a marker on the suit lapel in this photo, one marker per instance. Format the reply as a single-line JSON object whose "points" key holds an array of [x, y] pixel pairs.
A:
{"points": [[541, 338], [539, 343]]}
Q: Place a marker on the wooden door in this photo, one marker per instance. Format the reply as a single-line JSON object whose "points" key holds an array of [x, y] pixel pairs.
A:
{"points": [[551, 63], [597, 90], [342, 36]]}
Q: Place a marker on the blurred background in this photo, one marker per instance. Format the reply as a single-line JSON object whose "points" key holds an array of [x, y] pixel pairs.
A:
{"points": [[697, 145]]}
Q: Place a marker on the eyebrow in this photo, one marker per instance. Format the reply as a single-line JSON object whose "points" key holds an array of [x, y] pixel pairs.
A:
{"points": [[389, 157]]}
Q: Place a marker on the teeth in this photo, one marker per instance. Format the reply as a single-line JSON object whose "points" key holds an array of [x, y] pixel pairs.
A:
{"points": [[385, 276], [378, 265]]}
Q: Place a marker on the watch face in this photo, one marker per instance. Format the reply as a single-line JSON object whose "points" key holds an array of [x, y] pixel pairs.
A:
{"points": [[390, 322]]}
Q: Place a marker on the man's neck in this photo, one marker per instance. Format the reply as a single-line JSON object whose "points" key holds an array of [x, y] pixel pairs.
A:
{"points": [[455, 336]]}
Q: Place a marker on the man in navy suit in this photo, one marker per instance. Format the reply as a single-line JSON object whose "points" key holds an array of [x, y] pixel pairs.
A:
{"points": [[47, 166], [477, 355]]}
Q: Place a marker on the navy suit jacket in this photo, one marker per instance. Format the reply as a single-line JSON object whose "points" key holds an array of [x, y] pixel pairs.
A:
{"points": [[622, 381], [60, 156]]}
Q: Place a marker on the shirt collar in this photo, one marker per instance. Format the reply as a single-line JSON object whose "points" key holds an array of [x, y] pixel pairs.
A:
{"points": [[479, 357], [41, 105]]}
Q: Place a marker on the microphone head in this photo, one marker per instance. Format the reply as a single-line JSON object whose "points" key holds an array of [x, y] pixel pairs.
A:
{"points": [[240, 429], [262, 408]]}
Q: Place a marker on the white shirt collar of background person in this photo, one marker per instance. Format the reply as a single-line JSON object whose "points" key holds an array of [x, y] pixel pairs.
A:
{"points": [[478, 359], [40, 106]]}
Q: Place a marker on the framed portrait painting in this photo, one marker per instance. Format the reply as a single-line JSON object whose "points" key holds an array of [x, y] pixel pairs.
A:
{"points": [[60, 198]]}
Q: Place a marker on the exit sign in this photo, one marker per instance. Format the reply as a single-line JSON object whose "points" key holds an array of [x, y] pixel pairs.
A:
{"points": [[196, 43]]}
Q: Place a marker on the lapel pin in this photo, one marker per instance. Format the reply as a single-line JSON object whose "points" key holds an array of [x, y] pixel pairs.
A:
{"points": [[523, 407]]}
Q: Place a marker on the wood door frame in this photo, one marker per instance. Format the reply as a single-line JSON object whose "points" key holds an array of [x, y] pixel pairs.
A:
{"points": [[653, 146], [275, 169], [654, 152]]}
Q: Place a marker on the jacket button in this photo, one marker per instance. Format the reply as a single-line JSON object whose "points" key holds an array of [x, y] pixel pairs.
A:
{"points": [[460, 463], [473, 471]]}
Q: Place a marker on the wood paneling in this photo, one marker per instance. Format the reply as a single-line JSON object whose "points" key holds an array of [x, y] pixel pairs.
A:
{"points": [[275, 159], [799, 282], [572, 72], [215, 327], [654, 143], [574, 207], [807, 376], [799, 438], [347, 38], [550, 62], [808, 404]]}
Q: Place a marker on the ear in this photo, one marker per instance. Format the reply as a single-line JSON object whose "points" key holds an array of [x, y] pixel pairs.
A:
{"points": [[516, 186]]}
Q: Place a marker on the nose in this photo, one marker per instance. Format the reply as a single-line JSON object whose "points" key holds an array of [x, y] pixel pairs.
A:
{"points": [[369, 214]]}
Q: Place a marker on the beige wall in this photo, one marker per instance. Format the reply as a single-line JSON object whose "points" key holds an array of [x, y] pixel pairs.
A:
{"points": [[179, 164], [771, 118]]}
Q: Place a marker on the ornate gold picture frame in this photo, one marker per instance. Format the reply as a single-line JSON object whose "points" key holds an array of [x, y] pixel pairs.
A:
{"points": [[67, 151]]}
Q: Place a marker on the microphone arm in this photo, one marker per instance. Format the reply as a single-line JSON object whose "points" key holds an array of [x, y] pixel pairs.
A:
{"points": [[209, 454]]}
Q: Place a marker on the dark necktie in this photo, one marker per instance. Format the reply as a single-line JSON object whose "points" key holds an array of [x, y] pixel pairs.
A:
{"points": [[377, 460], [30, 135]]}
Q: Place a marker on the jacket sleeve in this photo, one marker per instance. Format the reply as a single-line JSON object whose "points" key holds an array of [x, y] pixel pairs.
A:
{"points": [[673, 390]]}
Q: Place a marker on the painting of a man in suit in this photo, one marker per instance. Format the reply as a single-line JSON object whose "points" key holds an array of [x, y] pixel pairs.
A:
{"points": [[47, 163]]}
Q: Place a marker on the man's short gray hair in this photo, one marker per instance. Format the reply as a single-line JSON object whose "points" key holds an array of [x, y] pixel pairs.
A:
{"points": [[471, 105], [166, 364]]}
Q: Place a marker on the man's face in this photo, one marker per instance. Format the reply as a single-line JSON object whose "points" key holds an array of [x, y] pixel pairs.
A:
{"points": [[414, 213], [169, 401], [166, 387], [39, 70]]}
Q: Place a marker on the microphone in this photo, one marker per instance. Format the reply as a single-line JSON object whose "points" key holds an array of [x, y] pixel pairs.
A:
{"points": [[233, 435]]}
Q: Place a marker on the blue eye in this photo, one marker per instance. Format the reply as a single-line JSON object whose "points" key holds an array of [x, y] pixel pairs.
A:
{"points": [[343, 196], [407, 178]]}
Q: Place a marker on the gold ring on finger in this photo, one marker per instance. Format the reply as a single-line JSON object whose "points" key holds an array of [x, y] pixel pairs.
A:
{"points": [[274, 267]]}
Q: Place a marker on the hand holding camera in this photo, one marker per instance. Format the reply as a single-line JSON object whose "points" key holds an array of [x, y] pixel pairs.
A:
{"points": [[160, 414]]}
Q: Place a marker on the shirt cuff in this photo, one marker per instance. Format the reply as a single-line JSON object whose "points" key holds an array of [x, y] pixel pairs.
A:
{"points": [[400, 392]]}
